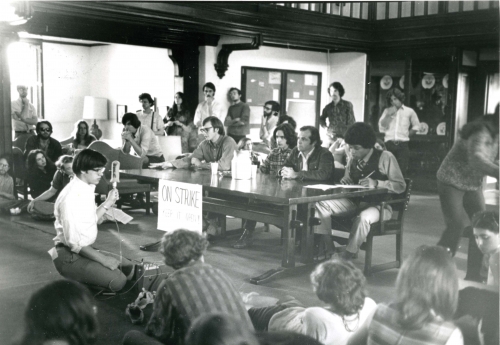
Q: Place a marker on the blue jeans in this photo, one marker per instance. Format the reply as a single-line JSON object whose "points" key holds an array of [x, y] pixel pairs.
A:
{"points": [[76, 267]]}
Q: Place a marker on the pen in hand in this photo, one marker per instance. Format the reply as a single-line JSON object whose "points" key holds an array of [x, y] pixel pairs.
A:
{"points": [[370, 174]]}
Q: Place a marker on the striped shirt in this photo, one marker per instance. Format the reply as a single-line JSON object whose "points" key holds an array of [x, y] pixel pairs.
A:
{"points": [[275, 161], [188, 293]]}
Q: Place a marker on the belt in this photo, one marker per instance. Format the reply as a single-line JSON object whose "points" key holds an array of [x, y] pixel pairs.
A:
{"points": [[397, 142]]}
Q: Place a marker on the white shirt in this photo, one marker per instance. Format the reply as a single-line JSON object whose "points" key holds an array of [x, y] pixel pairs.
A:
{"points": [[305, 167], [76, 215], [146, 120], [17, 106], [205, 110], [397, 124]]}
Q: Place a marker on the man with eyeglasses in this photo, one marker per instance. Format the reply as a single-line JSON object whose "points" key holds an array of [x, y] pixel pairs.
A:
{"points": [[23, 113], [217, 147], [269, 121], [43, 141]]}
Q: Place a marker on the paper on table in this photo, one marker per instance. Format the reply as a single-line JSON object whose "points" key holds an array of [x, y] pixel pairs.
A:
{"points": [[329, 186]]}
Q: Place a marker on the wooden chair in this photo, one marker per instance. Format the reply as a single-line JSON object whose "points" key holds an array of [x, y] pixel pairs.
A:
{"points": [[393, 226], [125, 186], [20, 172]]}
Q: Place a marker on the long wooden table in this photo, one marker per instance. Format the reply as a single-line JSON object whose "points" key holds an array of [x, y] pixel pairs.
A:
{"points": [[283, 203]]}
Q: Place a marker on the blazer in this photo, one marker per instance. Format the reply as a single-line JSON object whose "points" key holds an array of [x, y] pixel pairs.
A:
{"points": [[320, 165]]}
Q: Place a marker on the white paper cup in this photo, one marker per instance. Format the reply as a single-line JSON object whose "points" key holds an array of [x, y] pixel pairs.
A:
{"points": [[254, 171], [214, 167]]}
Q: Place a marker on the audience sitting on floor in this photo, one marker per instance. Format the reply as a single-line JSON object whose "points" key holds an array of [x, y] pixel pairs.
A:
{"points": [[194, 289], [426, 300], [61, 313], [368, 167], [76, 227], [61, 178], [342, 287], [43, 141], [482, 303], [81, 137], [40, 173]]}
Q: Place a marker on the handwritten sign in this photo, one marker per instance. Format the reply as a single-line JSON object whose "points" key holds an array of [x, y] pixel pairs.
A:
{"points": [[179, 206]]}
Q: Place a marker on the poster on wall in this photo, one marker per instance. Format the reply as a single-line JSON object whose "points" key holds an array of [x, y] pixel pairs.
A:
{"points": [[179, 206], [274, 78]]}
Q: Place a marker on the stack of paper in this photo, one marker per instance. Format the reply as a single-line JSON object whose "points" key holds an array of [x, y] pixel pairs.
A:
{"points": [[329, 186]]}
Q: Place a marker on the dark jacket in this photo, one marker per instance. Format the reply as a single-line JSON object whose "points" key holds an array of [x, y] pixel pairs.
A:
{"points": [[320, 165], [54, 151]]}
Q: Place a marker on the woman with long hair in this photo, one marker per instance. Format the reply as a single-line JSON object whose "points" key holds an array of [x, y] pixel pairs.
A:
{"points": [[425, 303], [41, 171], [460, 177], [61, 178], [81, 136], [64, 313], [180, 122]]}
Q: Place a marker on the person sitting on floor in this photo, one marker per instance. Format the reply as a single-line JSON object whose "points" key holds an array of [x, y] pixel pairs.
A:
{"points": [[342, 287], [61, 178], [43, 141], [478, 302], [194, 289], [41, 171], [368, 167], [81, 137], [76, 222], [61, 313], [7, 197], [426, 299], [286, 138]]}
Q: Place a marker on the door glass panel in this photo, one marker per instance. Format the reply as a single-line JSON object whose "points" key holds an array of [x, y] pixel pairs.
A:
{"points": [[302, 97]]}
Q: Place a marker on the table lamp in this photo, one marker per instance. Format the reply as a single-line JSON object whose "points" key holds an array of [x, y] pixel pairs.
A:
{"points": [[95, 108]]}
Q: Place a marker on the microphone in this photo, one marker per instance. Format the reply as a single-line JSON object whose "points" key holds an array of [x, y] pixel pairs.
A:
{"points": [[115, 173]]}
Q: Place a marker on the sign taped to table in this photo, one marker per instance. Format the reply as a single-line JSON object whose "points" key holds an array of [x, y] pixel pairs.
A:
{"points": [[179, 206]]}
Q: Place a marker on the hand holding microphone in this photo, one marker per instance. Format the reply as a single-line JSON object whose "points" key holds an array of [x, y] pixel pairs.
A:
{"points": [[115, 178]]}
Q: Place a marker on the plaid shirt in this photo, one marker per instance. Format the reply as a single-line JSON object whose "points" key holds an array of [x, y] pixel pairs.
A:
{"points": [[275, 161]]}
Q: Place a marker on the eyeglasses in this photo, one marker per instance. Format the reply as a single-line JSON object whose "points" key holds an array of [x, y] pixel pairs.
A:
{"points": [[99, 170], [45, 130], [205, 129], [4, 165]]}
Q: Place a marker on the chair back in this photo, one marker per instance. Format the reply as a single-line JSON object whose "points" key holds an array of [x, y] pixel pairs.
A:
{"points": [[170, 146], [18, 163], [20, 141], [129, 161], [406, 195], [107, 151]]}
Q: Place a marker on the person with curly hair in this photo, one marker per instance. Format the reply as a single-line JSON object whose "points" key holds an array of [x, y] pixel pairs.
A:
{"points": [[339, 112], [41, 171], [424, 306], [338, 284], [206, 289], [62, 312]]}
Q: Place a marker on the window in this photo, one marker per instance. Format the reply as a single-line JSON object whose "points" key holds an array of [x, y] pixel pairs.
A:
{"points": [[296, 91]]}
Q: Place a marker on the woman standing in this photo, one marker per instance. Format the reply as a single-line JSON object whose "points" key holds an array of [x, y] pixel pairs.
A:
{"points": [[148, 117], [41, 171], [179, 122], [460, 177]]}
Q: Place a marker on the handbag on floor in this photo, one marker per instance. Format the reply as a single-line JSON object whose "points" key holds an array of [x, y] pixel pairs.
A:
{"points": [[43, 210]]}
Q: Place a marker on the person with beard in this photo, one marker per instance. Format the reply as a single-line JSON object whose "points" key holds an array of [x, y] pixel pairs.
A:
{"points": [[43, 141], [238, 116], [24, 116], [339, 112], [269, 121], [179, 122], [76, 222]]}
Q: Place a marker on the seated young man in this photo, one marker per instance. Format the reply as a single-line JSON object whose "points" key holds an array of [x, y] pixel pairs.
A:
{"points": [[194, 289], [217, 147], [368, 167]]}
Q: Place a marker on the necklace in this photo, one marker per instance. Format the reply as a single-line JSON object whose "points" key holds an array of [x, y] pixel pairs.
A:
{"points": [[346, 323]]}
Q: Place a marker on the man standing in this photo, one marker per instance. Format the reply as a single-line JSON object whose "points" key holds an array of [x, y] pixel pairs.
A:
{"points": [[339, 112], [142, 139], [44, 142], [24, 116], [217, 147], [148, 117], [269, 121], [209, 107], [238, 116], [398, 123]]}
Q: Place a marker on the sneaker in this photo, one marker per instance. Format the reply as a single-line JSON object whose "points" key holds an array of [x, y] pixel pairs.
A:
{"points": [[244, 241], [135, 314]]}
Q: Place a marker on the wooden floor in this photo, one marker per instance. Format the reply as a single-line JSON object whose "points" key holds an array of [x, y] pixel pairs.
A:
{"points": [[26, 265]]}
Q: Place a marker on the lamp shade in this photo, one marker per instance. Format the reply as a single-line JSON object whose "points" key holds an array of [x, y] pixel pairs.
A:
{"points": [[95, 108]]}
